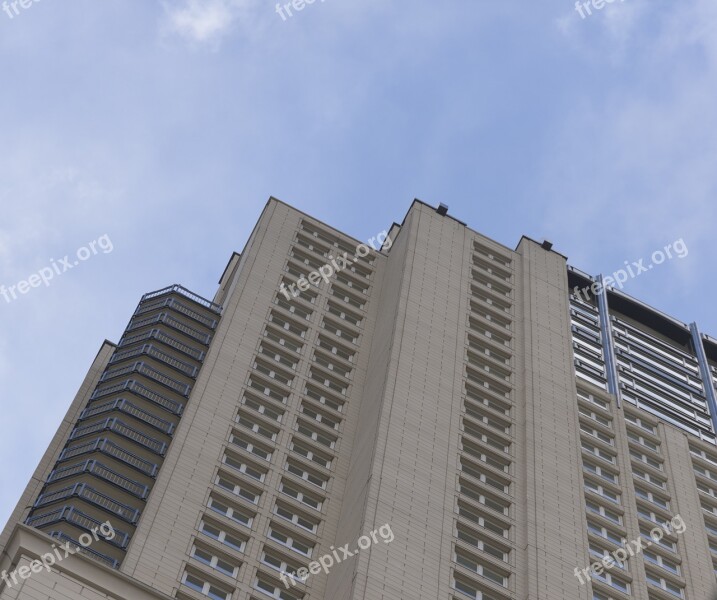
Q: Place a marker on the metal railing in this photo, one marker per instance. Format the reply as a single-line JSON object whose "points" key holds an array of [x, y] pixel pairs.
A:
{"points": [[92, 496], [121, 428], [179, 307], [149, 372], [154, 352], [108, 560], [178, 289], [139, 390]]}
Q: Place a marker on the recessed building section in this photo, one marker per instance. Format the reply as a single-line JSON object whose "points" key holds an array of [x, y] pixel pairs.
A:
{"points": [[114, 452]]}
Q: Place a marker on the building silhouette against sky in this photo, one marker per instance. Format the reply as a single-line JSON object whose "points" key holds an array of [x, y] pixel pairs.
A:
{"points": [[490, 423]]}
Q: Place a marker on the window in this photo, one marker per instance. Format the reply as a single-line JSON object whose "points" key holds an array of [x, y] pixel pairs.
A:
{"points": [[664, 584], [224, 508], [262, 408], [274, 589], [596, 451], [297, 469], [290, 541], [472, 563], [661, 561], [204, 587], [314, 393], [600, 472], [311, 455], [595, 416], [703, 454], [638, 439], [605, 493], [484, 477], [640, 423], [705, 472], [244, 467], [474, 492], [648, 460], [604, 404], [212, 559], [275, 561], [256, 449], [303, 497], [605, 533], [649, 478], [664, 542], [612, 580], [481, 543], [216, 532], [491, 524], [611, 515], [649, 515], [597, 434], [321, 438], [254, 426], [601, 553], [651, 497], [319, 416], [237, 488], [291, 515]]}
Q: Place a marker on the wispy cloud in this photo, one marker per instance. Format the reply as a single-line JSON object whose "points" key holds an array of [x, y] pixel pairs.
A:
{"points": [[637, 160], [202, 21]]}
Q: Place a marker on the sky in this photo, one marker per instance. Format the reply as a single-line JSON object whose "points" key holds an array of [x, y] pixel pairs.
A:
{"points": [[159, 129]]}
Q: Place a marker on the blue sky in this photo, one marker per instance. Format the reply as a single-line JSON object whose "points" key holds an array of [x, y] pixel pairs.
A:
{"points": [[167, 125]]}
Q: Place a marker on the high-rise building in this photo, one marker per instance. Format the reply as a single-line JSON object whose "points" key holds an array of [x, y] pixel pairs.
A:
{"points": [[436, 417]]}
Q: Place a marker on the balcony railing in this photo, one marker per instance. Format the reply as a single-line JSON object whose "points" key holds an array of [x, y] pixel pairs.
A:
{"points": [[108, 560], [139, 390], [159, 335], [109, 448], [92, 496], [154, 352], [124, 406], [70, 514], [120, 428], [179, 307], [170, 321], [178, 289], [151, 373], [101, 471]]}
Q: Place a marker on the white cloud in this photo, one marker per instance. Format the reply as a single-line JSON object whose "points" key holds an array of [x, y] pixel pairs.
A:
{"points": [[637, 161], [202, 21]]}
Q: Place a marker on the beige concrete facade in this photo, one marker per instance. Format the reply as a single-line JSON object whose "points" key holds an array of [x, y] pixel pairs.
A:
{"points": [[429, 387]]}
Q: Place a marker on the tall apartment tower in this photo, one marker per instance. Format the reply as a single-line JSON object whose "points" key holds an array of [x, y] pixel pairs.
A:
{"points": [[441, 417]]}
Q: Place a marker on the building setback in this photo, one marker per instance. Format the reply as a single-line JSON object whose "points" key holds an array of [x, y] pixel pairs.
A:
{"points": [[478, 422]]}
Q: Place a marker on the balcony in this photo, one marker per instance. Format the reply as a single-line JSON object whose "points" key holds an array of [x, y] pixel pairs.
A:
{"points": [[124, 406], [154, 352], [70, 514], [100, 471], [122, 429], [149, 372], [181, 290], [109, 448], [91, 496]]}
